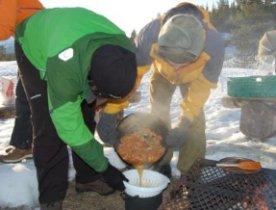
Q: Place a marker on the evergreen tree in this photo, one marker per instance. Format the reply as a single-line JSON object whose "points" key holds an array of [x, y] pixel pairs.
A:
{"points": [[246, 20]]}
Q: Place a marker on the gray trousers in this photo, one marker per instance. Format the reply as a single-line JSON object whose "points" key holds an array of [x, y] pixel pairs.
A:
{"points": [[161, 92]]}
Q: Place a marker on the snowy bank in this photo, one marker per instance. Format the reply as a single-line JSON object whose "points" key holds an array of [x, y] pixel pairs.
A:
{"points": [[18, 181]]}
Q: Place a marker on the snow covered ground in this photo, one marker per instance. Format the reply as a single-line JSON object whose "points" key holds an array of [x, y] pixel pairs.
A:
{"points": [[18, 181]]}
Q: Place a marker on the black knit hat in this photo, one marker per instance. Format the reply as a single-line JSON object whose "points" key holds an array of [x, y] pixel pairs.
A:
{"points": [[113, 71]]}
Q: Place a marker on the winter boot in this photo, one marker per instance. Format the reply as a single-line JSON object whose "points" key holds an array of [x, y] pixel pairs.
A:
{"points": [[51, 206], [14, 155], [97, 186]]}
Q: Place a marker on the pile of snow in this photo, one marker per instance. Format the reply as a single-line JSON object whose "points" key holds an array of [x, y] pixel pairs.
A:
{"points": [[18, 181], [8, 68]]}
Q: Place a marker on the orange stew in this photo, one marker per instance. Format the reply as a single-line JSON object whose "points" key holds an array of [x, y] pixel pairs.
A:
{"points": [[140, 148]]}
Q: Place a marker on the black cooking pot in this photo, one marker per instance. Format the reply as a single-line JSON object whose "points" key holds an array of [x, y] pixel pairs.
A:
{"points": [[140, 120]]}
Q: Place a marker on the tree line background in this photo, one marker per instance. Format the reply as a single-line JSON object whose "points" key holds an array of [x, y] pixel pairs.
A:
{"points": [[4, 56], [245, 21]]}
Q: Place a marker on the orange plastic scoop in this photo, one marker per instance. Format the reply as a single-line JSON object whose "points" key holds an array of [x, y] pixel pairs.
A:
{"points": [[236, 165]]}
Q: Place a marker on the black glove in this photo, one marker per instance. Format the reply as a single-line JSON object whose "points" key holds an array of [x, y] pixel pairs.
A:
{"points": [[176, 136], [107, 127], [114, 178]]}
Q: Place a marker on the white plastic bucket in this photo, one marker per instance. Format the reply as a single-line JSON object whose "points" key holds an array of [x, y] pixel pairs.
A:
{"points": [[155, 183]]}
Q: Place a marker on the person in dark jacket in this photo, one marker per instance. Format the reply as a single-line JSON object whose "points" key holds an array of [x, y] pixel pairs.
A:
{"points": [[184, 50], [72, 63]]}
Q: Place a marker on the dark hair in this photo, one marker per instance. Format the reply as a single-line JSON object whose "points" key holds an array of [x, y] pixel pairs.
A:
{"points": [[184, 8]]}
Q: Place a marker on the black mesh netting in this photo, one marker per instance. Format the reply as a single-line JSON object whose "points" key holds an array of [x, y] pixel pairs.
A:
{"points": [[207, 188]]}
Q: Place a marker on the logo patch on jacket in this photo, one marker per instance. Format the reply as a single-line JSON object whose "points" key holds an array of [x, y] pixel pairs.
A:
{"points": [[66, 54]]}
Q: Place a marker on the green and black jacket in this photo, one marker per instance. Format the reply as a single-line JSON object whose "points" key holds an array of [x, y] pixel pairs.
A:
{"points": [[60, 43]]}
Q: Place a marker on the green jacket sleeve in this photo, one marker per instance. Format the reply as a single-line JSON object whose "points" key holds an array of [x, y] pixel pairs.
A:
{"points": [[71, 128], [65, 95]]}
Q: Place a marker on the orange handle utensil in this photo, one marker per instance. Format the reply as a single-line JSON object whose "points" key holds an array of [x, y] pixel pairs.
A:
{"points": [[236, 165]]}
